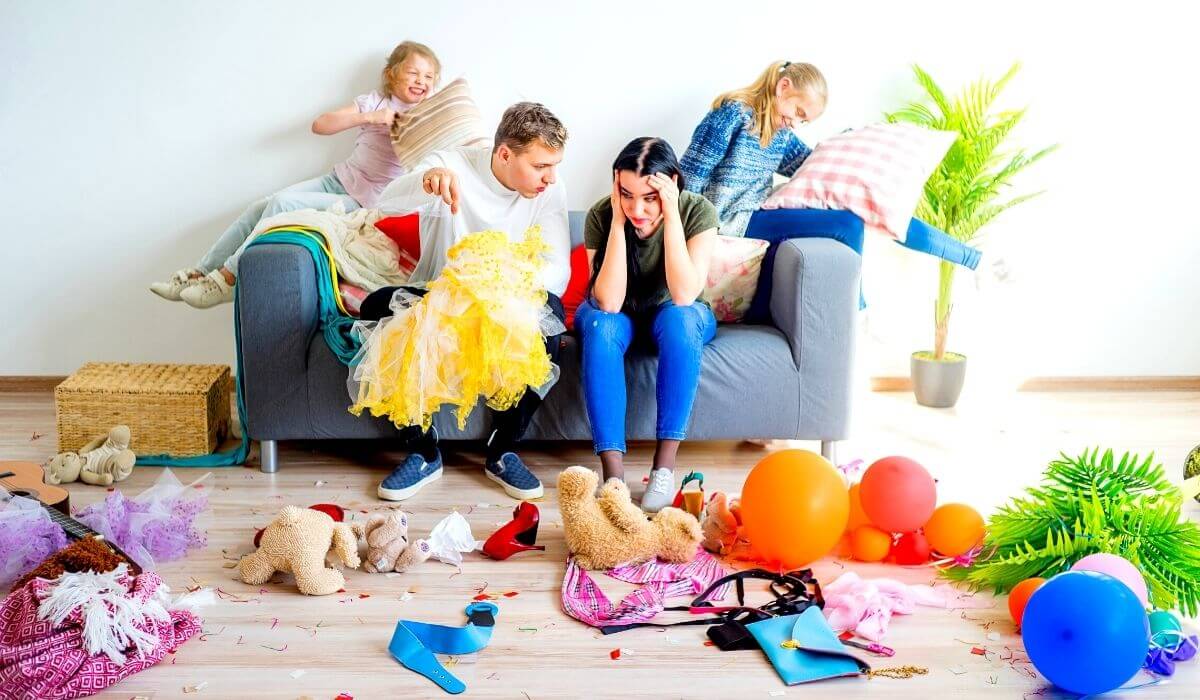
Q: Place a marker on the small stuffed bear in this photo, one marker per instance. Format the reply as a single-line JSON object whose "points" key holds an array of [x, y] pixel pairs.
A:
{"points": [[388, 548], [606, 530], [105, 459], [720, 524], [296, 542]]}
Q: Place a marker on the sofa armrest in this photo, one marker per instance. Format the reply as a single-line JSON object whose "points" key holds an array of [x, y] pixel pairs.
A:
{"points": [[814, 302], [277, 319]]}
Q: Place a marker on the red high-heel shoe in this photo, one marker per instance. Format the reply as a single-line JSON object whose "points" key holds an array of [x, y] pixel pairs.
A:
{"points": [[518, 535]]}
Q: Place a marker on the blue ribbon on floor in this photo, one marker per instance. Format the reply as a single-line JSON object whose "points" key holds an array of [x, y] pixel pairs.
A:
{"points": [[415, 643]]}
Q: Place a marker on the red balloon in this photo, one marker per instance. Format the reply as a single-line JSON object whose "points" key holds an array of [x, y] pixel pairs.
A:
{"points": [[897, 494], [911, 548]]}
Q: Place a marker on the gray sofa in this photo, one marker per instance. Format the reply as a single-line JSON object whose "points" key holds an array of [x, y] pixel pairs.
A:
{"points": [[789, 380]]}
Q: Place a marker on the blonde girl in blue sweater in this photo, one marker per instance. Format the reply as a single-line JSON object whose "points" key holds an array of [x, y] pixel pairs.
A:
{"points": [[746, 138]]}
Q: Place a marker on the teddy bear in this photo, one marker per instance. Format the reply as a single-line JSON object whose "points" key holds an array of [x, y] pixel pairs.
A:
{"points": [[388, 548], [105, 459], [606, 530], [296, 542], [720, 524]]}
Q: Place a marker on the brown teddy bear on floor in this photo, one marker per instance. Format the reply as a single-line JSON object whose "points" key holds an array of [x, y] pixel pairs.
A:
{"points": [[296, 542], [606, 530], [388, 548]]}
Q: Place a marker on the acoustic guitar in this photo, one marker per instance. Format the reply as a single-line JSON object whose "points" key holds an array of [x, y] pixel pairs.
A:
{"points": [[29, 480]]}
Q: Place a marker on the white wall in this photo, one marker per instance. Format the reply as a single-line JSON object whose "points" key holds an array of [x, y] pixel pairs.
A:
{"points": [[132, 132]]}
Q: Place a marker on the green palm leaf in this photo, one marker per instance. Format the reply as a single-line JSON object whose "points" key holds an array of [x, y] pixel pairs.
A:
{"points": [[961, 195], [1094, 503]]}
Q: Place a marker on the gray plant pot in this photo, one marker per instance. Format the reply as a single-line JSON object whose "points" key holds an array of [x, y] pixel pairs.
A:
{"points": [[937, 383]]}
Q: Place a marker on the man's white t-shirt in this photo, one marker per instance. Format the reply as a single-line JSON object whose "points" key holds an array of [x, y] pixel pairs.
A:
{"points": [[483, 205]]}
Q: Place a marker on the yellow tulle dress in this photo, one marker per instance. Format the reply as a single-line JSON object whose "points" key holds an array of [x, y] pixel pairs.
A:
{"points": [[477, 333]]}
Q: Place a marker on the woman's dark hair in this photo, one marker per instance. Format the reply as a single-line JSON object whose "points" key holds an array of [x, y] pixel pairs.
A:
{"points": [[645, 155]]}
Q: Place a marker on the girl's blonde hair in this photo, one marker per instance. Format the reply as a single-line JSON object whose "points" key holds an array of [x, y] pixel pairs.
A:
{"points": [[759, 96], [399, 54]]}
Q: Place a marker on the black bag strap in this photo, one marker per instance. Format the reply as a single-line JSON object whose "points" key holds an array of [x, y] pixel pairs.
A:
{"points": [[792, 596]]}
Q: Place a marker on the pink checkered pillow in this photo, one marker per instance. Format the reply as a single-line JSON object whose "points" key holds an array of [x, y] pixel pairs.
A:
{"points": [[877, 172]]}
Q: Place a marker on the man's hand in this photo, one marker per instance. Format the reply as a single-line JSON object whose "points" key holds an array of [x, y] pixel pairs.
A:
{"points": [[443, 183]]}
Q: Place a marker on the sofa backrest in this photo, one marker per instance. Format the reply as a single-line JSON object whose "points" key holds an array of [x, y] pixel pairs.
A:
{"points": [[576, 218]]}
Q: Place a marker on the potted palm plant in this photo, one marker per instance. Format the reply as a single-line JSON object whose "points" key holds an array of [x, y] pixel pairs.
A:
{"points": [[961, 197]]}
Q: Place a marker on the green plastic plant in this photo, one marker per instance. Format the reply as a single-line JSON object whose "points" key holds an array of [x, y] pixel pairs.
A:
{"points": [[963, 194], [1092, 504]]}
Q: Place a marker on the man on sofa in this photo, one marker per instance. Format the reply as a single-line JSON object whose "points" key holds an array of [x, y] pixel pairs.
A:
{"points": [[509, 186]]}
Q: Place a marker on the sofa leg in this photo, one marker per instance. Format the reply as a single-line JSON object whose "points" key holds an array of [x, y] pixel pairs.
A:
{"points": [[829, 451], [268, 456]]}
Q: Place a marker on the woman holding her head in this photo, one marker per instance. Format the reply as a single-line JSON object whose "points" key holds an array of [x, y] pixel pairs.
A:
{"points": [[649, 244]]}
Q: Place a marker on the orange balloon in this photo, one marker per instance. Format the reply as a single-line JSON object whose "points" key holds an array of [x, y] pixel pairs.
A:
{"points": [[794, 508], [857, 516], [842, 549], [1019, 597], [869, 543], [897, 494], [954, 529]]}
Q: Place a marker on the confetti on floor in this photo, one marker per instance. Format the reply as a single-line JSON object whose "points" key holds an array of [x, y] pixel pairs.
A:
{"points": [[406, 597], [979, 651], [618, 653], [195, 688], [297, 673], [958, 670], [775, 693], [993, 636], [320, 482], [344, 696]]}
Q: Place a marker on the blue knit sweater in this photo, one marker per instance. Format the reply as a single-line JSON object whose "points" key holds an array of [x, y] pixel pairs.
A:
{"points": [[727, 164]]}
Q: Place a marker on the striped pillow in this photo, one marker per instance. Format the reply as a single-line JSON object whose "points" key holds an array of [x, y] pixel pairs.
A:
{"points": [[447, 119]]}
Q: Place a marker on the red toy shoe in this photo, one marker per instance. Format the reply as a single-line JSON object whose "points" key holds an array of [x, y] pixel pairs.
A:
{"points": [[518, 535]]}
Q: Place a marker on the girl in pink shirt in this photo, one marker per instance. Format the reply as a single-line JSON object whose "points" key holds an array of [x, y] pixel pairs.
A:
{"points": [[411, 72]]}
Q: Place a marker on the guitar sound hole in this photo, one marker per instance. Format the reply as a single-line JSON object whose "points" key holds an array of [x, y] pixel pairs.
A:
{"points": [[22, 492]]}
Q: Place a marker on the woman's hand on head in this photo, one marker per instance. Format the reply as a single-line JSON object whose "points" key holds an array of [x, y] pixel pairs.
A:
{"points": [[668, 193], [618, 214]]}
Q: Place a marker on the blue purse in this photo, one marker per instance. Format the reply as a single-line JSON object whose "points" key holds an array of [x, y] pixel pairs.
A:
{"points": [[803, 648]]}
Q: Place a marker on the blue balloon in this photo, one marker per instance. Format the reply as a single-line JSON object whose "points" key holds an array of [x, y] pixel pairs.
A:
{"points": [[1086, 632]]}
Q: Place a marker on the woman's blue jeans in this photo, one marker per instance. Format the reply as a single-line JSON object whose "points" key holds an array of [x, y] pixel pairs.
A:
{"points": [[679, 333]]}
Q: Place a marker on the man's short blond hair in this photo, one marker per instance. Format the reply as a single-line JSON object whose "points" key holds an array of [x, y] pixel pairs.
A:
{"points": [[526, 122]]}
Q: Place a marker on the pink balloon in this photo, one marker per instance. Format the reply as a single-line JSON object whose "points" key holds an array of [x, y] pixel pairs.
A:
{"points": [[1120, 569]]}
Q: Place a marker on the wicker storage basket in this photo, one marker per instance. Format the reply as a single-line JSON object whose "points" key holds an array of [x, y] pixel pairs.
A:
{"points": [[180, 410]]}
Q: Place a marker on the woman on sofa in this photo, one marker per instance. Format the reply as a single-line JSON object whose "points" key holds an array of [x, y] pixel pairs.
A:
{"points": [[648, 245], [746, 138]]}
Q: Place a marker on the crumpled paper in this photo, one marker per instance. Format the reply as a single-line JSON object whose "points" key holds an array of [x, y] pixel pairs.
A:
{"points": [[451, 538]]}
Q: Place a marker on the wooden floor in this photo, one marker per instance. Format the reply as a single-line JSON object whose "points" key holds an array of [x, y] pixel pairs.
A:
{"points": [[273, 642]]}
